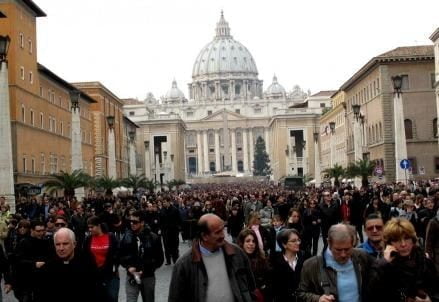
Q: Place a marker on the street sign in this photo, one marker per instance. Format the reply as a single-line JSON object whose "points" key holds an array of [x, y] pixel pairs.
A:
{"points": [[378, 170], [404, 164]]}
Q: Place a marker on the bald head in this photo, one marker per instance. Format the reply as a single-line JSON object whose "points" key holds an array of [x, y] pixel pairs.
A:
{"points": [[211, 231]]}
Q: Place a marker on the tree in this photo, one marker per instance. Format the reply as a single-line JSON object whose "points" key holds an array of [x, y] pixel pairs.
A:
{"points": [[175, 183], [134, 182], [67, 182], [151, 185], [261, 163], [363, 168], [335, 172], [107, 183]]}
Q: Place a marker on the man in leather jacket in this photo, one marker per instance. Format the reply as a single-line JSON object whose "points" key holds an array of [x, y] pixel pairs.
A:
{"points": [[141, 254]]}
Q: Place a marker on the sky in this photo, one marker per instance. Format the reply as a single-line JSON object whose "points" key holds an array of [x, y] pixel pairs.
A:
{"points": [[138, 46]]}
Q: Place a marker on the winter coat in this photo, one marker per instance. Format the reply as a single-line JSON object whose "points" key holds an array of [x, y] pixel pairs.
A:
{"points": [[189, 277], [403, 278]]}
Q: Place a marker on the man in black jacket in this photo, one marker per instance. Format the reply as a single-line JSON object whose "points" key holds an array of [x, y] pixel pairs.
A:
{"points": [[141, 254], [170, 221], [32, 254]]}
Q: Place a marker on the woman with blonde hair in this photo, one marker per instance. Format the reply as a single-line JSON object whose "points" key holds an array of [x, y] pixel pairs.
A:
{"points": [[404, 274]]}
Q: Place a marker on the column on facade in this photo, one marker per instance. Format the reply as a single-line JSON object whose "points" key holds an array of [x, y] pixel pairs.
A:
{"points": [[77, 163], [217, 90], [111, 154], [6, 162], [217, 152], [317, 172], [234, 162], [206, 152], [400, 139], [252, 152], [245, 150], [245, 89], [232, 90], [147, 160], [157, 167], [267, 141], [199, 154]]}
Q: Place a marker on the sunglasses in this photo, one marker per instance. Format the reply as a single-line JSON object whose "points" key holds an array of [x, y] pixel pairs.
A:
{"points": [[60, 224], [372, 227]]}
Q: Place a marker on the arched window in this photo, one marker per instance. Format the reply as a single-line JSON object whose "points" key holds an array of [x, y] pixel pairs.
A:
{"points": [[381, 131], [408, 126], [212, 167], [435, 127]]}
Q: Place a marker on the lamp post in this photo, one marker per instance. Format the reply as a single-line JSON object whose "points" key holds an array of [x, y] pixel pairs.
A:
{"points": [[132, 150], [400, 139], [76, 138], [332, 144], [111, 148], [6, 160], [317, 172], [358, 118]]}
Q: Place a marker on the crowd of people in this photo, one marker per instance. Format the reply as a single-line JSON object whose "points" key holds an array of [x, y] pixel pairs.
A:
{"points": [[54, 249]]}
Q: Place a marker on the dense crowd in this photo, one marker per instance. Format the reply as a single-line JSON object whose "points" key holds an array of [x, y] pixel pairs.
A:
{"points": [[56, 249]]}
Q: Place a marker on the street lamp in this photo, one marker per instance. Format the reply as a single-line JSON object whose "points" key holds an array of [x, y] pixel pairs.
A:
{"points": [[359, 118], [397, 84], [4, 47], [400, 139], [74, 98], [6, 159], [132, 135], [332, 127], [110, 121]]}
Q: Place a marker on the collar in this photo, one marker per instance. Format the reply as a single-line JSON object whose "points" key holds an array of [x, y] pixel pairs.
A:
{"points": [[205, 251], [228, 249]]}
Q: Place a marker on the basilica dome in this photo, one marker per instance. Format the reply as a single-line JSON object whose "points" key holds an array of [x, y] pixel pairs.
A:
{"points": [[275, 88], [224, 55]]}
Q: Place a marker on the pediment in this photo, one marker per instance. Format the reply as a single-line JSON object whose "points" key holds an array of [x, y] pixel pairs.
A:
{"points": [[218, 116]]}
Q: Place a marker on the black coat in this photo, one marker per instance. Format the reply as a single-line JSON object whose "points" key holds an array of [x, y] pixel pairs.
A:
{"points": [[148, 257], [403, 277], [285, 279]]}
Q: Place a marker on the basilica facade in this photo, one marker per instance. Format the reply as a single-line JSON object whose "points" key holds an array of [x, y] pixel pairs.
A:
{"points": [[213, 131]]}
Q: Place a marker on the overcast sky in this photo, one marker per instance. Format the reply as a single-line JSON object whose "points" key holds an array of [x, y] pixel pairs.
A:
{"points": [[139, 46]]}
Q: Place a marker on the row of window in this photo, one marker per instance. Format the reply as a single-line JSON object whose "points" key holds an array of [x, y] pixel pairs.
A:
{"points": [[86, 137], [21, 42], [29, 164], [23, 75]]}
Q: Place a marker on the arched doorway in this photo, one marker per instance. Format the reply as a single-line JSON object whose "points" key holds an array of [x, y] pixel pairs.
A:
{"points": [[212, 166]]}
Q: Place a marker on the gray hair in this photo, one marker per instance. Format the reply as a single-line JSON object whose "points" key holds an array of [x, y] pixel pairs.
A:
{"points": [[67, 231], [342, 232]]}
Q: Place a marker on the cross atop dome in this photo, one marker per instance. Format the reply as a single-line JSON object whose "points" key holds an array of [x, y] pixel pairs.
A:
{"points": [[222, 28]]}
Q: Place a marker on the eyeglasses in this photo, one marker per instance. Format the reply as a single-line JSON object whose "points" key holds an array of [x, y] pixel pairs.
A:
{"points": [[295, 240], [372, 227], [60, 224], [134, 221]]}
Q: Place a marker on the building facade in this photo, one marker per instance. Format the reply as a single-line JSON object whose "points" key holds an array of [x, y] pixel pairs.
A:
{"points": [[40, 103], [371, 88], [214, 131], [435, 38]]}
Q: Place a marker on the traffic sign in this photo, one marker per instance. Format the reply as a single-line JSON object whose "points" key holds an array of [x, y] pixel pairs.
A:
{"points": [[378, 170], [404, 164]]}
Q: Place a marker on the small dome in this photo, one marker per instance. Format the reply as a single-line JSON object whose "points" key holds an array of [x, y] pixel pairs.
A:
{"points": [[275, 89], [174, 94]]}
